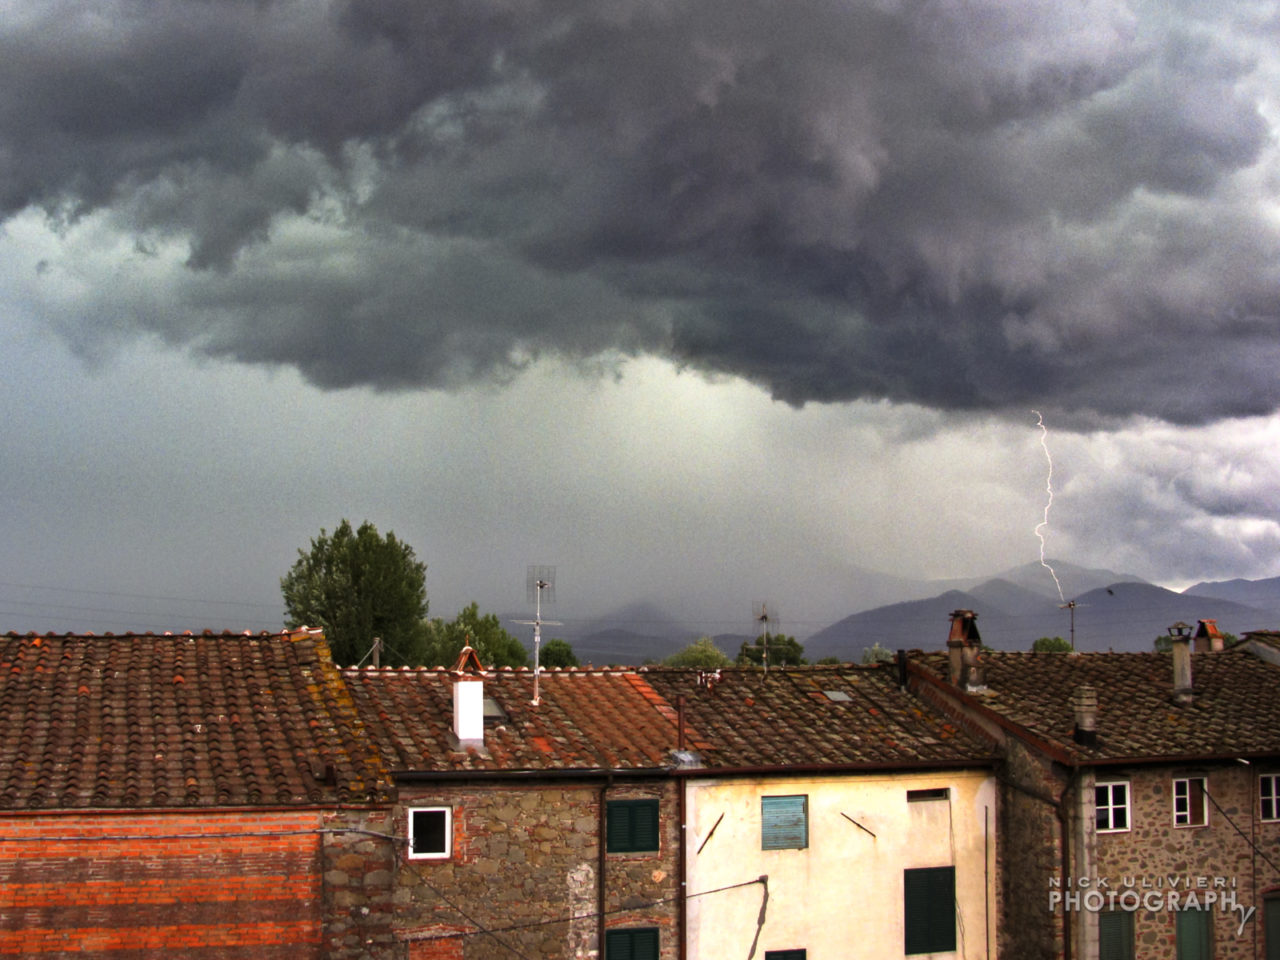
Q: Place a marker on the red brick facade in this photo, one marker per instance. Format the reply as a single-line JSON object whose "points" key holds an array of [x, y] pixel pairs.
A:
{"points": [[215, 884]]}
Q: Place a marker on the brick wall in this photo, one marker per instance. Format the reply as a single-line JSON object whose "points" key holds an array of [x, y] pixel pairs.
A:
{"points": [[1154, 849], [211, 884], [525, 866]]}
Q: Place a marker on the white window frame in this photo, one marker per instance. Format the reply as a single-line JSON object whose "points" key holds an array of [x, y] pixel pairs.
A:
{"points": [[1269, 796], [1182, 808], [448, 834], [1112, 806]]}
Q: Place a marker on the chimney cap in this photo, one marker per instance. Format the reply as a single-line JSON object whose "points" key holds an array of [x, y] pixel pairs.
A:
{"points": [[468, 663]]}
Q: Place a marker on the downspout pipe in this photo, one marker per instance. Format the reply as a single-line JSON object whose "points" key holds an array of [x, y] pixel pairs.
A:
{"points": [[602, 845], [682, 856], [1064, 828]]}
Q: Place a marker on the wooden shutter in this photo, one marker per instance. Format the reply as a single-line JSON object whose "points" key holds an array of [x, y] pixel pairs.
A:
{"points": [[632, 944], [1115, 935], [784, 823], [1193, 934], [1271, 917], [929, 909], [632, 825]]}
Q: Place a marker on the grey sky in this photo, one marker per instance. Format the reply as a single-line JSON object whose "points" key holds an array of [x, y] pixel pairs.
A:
{"points": [[712, 302]]}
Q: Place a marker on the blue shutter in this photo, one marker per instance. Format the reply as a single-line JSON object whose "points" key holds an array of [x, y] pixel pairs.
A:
{"points": [[784, 823]]}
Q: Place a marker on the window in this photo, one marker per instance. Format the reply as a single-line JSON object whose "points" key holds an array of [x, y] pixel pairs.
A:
{"points": [[1115, 935], [1195, 934], [1269, 791], [632, 826], [638, 943], [1111, 803], [929, 909], [784, 955], [937, 793], [430, 833], [784, 823], [1189, 802]]}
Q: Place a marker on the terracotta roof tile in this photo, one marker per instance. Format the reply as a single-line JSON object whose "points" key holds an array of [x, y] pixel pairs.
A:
{"points": [[627, 719], [813, 716], [1235, 709], [189, 720]]}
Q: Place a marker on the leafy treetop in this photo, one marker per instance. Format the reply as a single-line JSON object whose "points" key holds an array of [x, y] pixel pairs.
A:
{"points": [[702, 653], [357, 585]]}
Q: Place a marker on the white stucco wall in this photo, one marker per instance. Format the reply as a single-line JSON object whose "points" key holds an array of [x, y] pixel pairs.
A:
{"points": [[842, 896]]}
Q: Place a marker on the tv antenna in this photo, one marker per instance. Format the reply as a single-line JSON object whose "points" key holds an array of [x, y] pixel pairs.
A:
{"points": [[763, 616], [1071, 605], [539, 581]]}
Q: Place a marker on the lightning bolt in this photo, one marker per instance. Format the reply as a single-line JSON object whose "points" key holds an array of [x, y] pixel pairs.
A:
{"points": [[1048, 486]]}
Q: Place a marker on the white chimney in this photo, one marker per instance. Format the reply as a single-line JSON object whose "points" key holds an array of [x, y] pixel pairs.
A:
{"points": [[468, 699]]}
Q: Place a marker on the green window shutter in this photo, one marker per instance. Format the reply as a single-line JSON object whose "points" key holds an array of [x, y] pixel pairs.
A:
{"points": [[1271, 917], [929, 909], [1194, 928], [784, 955], [639, 943], [784, 823], [1115, 935], [631, 826]]}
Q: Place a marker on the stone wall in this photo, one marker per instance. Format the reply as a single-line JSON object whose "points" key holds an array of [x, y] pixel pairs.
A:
{"points": [[1156, 857], [359, 859], [525, 867], [1030, 855]]}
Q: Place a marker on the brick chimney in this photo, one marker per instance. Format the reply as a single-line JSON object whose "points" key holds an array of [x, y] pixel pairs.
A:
{"points": [[1180, 634], [468, 699], [1208, 638], [963, 643], [1084, 704]]}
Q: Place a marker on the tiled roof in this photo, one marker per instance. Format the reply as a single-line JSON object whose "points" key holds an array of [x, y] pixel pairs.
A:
{"points": [[812, 716], [1235, 710], [171, 721], [627, 719], [586, 720]]}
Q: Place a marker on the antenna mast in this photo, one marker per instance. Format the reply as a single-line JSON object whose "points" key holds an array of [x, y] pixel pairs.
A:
{"points": [[540, 580], [760, 613]]}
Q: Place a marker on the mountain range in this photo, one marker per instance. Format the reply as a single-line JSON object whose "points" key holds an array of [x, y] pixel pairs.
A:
{"points": [[1112, 611]]}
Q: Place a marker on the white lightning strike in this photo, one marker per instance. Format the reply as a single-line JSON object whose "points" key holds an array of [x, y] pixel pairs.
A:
{"points": [[1048, 486]]}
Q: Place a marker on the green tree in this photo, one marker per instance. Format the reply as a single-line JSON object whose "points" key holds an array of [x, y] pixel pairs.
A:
{"points": [[702, 653], [492, 644], [558, 653], [357, 585], [1163, 644], [1051, 645], [784, 651], [877, 654]]}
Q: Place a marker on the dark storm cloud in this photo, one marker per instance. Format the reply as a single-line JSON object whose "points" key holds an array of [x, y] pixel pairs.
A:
{"points": [[977, 206]]}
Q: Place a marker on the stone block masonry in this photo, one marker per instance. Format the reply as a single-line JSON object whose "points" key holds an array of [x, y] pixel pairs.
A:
{"points": [[525, 873]]}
